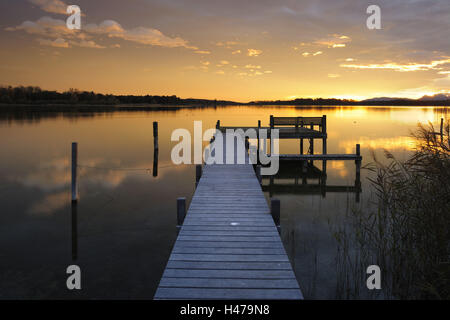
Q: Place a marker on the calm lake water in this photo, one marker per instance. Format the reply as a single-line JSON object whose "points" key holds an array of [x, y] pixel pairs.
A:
{"points": [[126, 222]]}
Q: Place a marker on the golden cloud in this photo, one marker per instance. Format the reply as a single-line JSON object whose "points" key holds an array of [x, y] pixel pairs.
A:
{"points": [[409, 67], [253, 52]]}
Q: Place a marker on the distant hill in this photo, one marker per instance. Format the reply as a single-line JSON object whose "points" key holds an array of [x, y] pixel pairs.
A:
{"points": [[386, 99], [436, 97]]}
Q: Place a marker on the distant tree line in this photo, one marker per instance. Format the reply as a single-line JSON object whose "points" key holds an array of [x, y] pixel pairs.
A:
{"points": [[35, 95], [345, 102]]}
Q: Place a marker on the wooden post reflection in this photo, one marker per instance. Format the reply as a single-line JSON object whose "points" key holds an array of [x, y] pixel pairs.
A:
{"points": [[74, 230]]}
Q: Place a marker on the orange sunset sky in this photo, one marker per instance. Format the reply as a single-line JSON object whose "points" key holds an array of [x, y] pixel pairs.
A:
{"points": [[235, 50]]}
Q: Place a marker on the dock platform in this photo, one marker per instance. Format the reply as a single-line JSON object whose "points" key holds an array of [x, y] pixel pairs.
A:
{"points": [[228, 246]]}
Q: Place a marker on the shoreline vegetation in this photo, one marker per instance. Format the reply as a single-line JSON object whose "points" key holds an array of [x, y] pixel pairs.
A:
{"points": [[13, 98], [407, 234]]}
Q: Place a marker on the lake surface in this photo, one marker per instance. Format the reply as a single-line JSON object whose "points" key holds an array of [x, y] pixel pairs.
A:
{"points": [[126, 218]]}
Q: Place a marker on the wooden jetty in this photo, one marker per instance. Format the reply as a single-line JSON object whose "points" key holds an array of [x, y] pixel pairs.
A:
{"points": [[228, 246]]}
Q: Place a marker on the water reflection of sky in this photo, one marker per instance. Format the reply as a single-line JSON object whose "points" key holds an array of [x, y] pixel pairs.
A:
{"points": [[127, 217]]}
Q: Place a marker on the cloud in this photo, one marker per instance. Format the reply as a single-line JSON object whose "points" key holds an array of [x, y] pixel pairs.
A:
{"points": [[51, 6], [307, 54], [224, 62], [45, 26], [203, 52], [57, 43], [236, 52], [251, 66], [333, 41], [51, 28], [226, 44], [253, 52], [89, 44], [142, 35], [220, 72], [400, 67], [333, 75]]}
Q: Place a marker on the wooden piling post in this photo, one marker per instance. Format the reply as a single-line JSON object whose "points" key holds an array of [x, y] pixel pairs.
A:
{"points": [[271, 122], [275, 211], [74, 171], [155, 149], [258, 173], [324, 132], [74, 203], [198, 173], [218, 124], [311, 141], [258, 143], [358, 172], [155, 135], [442, 130], [181, 210], [301, 139]]}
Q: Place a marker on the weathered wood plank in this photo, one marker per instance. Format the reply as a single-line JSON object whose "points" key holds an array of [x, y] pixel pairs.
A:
{"points": [[231, 244], [241, 294], [228, 257], [227, 283], [236, 274], [230, 265], [245, 251]]}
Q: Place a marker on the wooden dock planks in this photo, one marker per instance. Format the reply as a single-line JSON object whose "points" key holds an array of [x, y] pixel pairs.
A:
{"points": [[228, 246]]}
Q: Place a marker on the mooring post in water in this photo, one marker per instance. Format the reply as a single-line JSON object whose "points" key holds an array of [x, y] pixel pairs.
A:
{"points": [[198, 174], [324, 132], [218, 124], [155, 149], [258, 173], [74, 171], [155, 135], [74, 200], [442, 129], [181, 211], [258, 143], [301, 139], [275, 211], [358, 172], [324, 142]]}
